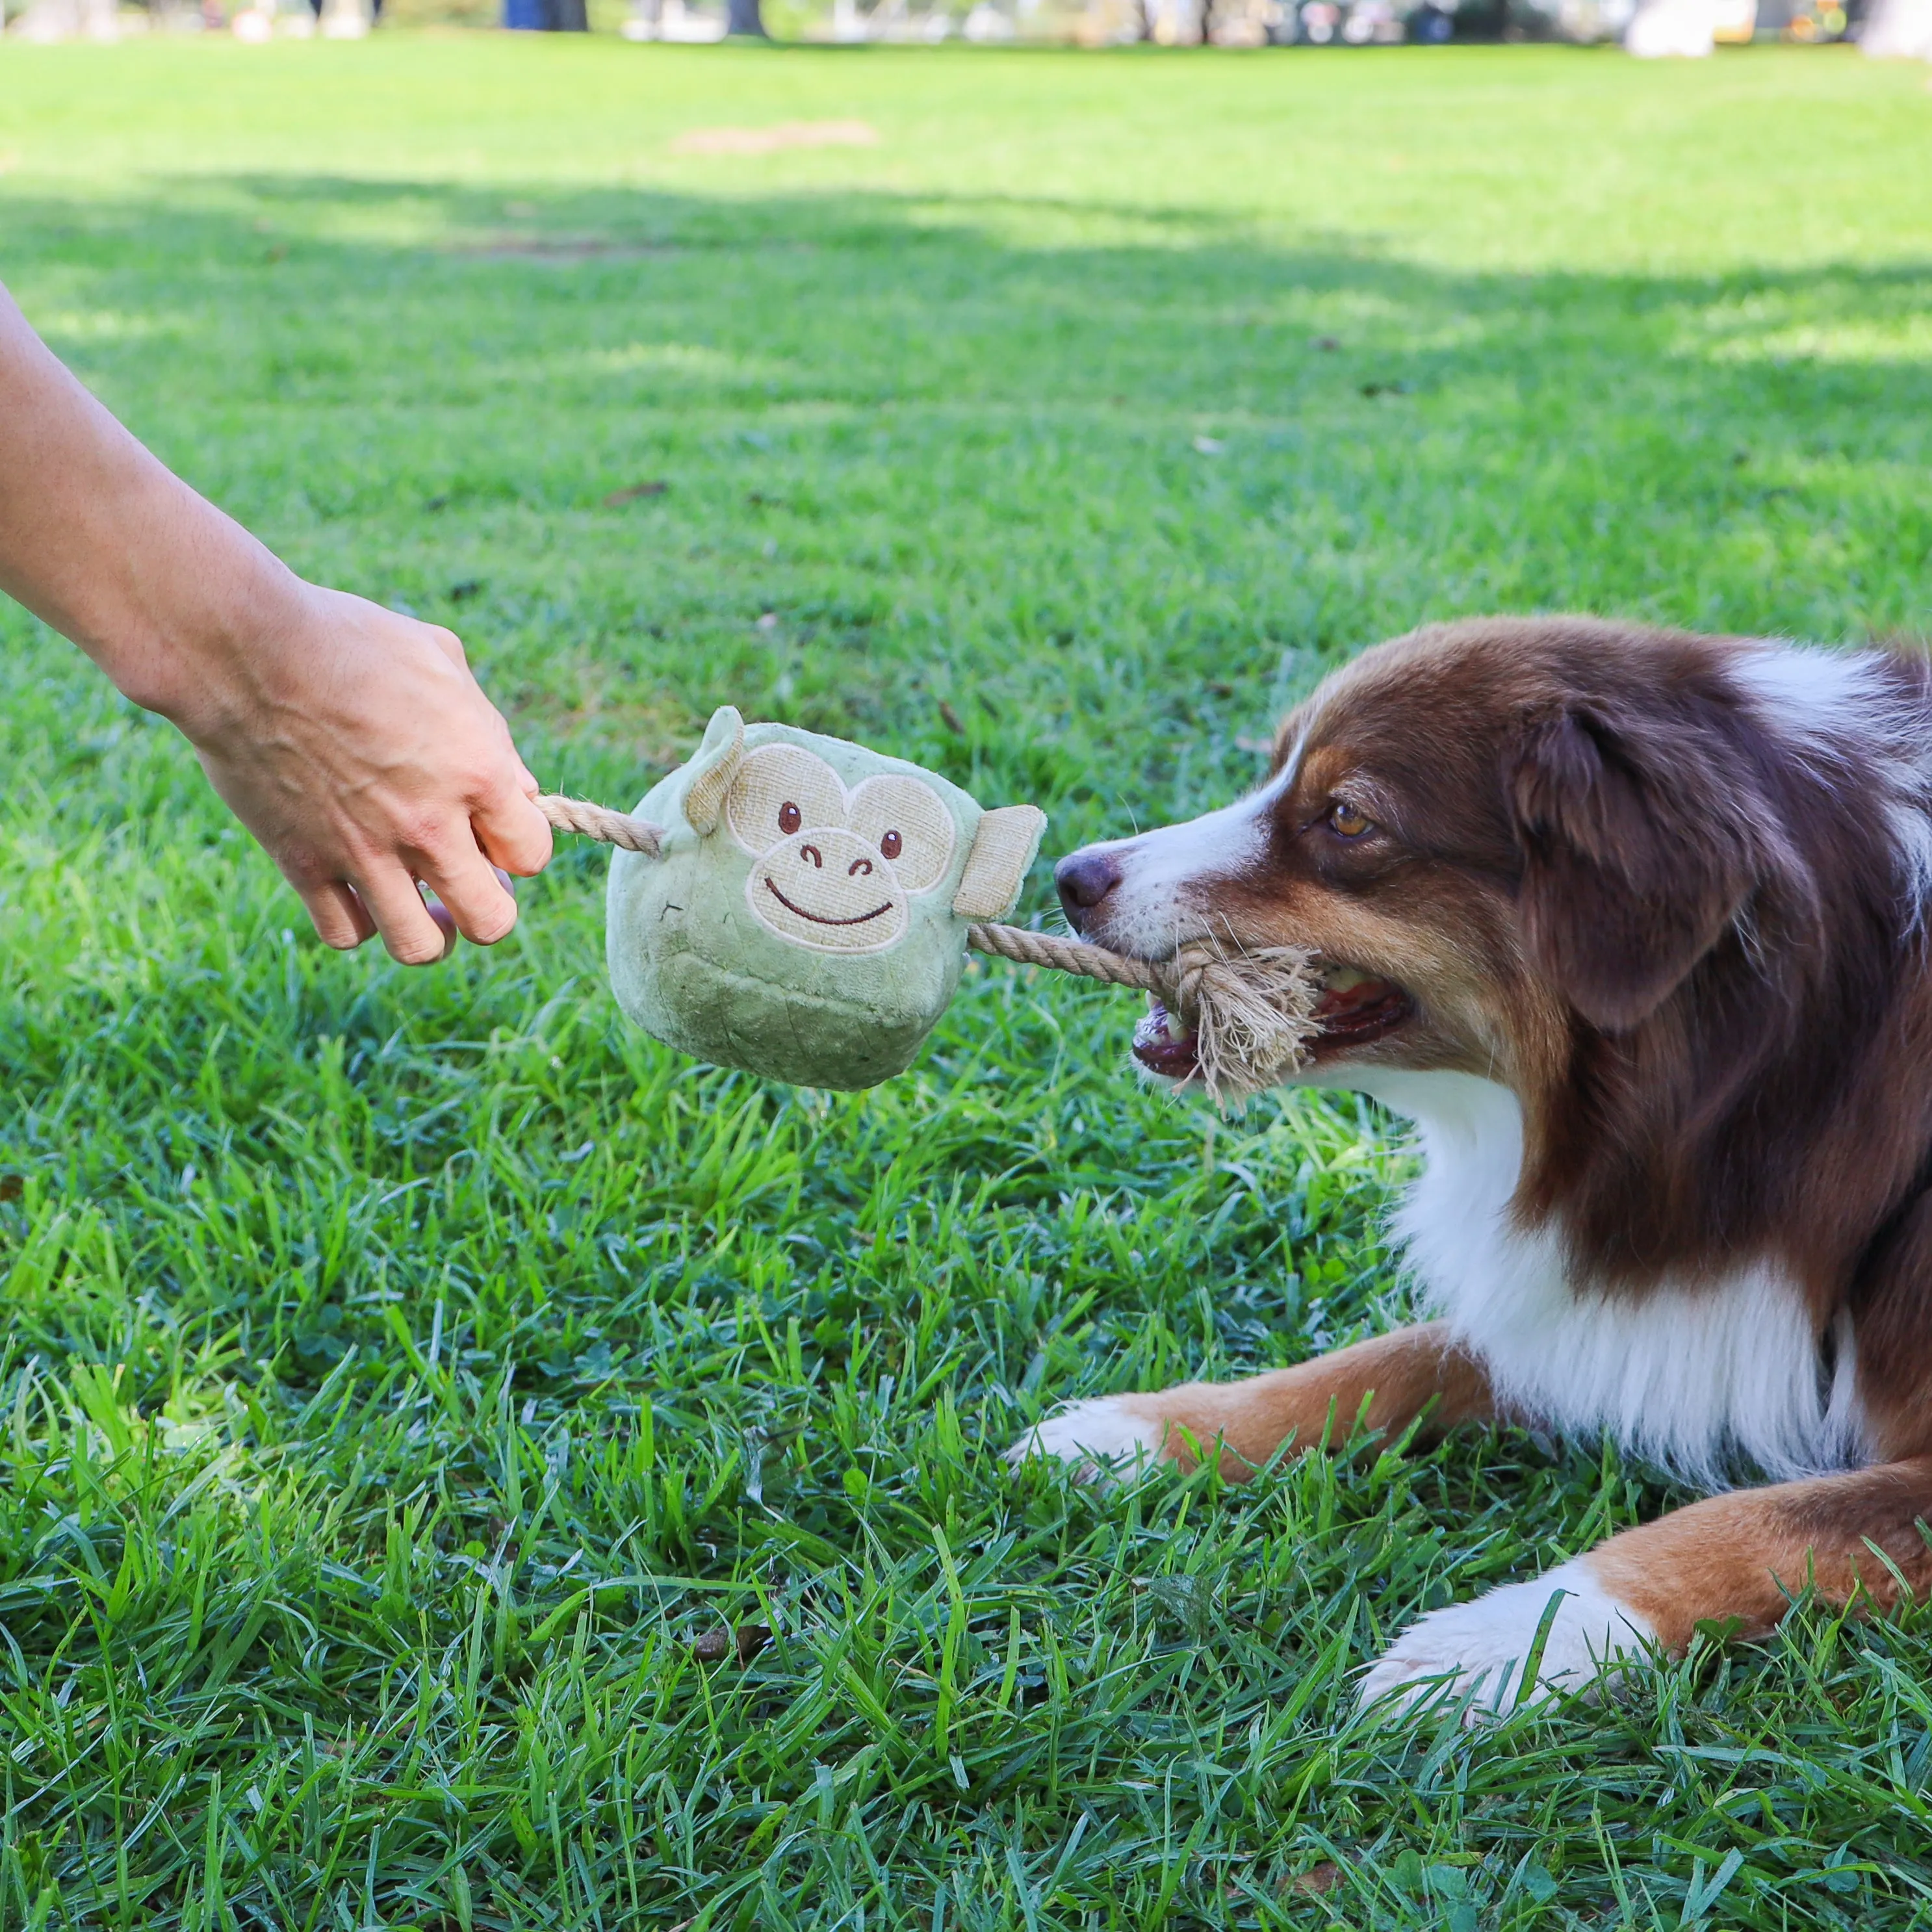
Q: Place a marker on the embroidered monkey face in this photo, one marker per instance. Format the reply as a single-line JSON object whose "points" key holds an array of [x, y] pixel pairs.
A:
{"points": [[861, 873], [833, 869]]}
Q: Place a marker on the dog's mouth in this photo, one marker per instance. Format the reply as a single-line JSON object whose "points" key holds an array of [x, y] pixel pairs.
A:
{"points": [[1160, 1045], [1355, 1009]]}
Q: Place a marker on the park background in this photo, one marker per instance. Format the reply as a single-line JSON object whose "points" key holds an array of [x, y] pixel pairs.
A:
{"points": [[1888, 28], [462, 1466]]}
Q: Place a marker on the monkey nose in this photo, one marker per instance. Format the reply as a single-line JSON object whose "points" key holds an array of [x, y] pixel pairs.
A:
{"points": [[857, 866], [812, 853]]}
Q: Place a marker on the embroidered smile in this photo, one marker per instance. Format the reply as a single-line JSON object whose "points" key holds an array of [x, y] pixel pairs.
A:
{"points": [[818, 919]]}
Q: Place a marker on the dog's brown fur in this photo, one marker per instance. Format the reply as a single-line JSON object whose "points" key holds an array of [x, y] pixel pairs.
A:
{"points": [[1683, 939], [1385, 1383]]}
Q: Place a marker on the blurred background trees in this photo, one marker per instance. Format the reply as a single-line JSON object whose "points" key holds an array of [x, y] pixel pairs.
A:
{"points": [[1890, 27]]}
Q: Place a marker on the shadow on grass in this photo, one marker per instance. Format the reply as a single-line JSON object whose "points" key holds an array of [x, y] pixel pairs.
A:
{"points": [[1090, 465]]}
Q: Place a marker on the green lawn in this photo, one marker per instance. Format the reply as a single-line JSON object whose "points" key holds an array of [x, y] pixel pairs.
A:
{"points": [[404, 1375]]}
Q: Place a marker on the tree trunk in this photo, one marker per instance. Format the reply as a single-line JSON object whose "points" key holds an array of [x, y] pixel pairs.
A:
{"points": [[744, 16]]}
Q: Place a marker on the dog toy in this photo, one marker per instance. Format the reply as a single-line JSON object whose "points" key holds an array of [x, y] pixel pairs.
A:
{"points": [[802, 907]]}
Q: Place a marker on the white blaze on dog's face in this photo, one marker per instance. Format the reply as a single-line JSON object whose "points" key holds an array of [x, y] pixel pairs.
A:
{"points": [[834, 870]]}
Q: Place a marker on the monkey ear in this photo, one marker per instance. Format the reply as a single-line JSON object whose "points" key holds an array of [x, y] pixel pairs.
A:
{"points": [[712, 767], [1003, 848], [1637, 855]]}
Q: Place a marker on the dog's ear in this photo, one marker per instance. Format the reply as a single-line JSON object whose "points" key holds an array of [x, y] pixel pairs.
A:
{"points": [[1638, 851]]}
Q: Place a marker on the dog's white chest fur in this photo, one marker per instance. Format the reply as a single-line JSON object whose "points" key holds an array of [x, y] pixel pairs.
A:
{"points": [[1696, 1378]]}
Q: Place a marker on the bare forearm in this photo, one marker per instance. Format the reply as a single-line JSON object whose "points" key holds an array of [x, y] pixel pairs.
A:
{"points": [[114, 551]]}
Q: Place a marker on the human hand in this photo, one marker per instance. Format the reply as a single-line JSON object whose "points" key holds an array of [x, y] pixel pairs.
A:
{"points": [[356, 745]]}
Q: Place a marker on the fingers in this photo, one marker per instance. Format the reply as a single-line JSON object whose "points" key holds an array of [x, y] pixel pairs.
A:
{"points": [[449, 643], [413, 934], [444, 923], [419, 902], [481, 907], [339, 918], [396, 774], [477, 895]]}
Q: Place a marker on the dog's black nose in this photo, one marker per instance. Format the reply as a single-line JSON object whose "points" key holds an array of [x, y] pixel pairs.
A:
{"points": [[1085, 879]]}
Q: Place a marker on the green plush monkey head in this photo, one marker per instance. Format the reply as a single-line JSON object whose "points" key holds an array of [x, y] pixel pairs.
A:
{"points": [[806, 919]]}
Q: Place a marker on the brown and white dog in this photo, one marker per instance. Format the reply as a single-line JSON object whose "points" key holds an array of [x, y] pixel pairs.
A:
{"points": [[1631, 924]]}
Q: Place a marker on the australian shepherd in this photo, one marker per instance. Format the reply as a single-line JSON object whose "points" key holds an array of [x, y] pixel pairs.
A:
{"points": [[1631, 924]]}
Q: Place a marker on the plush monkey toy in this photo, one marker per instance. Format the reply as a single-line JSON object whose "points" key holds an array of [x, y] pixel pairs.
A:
{"points": [[806, 916]]}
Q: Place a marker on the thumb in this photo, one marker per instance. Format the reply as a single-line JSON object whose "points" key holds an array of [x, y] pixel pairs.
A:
{"points": [[513, 833]]}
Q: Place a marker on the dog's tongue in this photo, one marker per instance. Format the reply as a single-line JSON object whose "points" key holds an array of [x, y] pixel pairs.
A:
{"points": [[1161, 1046], [1359, 1010], [1342, 1002]]}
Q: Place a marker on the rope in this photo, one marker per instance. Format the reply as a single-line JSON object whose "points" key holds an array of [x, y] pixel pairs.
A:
{"points": [[1064, 955], [600, 822], [1251, 1013]]}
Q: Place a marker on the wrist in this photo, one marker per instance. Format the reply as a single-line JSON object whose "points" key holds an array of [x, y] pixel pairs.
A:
{"points": [[204, 663]]}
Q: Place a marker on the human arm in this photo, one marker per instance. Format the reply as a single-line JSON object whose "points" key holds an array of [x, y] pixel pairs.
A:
{"points": [[351, 741]]}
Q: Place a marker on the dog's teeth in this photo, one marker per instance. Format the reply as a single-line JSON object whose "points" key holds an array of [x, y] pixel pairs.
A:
{"points": [[1159, 1028], [1339, 979]]}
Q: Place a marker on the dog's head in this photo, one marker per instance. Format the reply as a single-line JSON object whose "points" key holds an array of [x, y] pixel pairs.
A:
{"points": [[1494, 835]]}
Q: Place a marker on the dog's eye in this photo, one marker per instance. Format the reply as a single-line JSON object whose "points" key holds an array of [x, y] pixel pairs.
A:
{"points": [[1344, 819]]}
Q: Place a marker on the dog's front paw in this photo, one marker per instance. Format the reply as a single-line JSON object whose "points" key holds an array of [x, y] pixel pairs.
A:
{"points": [[1483, 1647], [1097, 1439]]}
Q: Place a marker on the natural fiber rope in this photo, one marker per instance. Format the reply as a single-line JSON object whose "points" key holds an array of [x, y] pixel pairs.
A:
{"points": [[1252, 1012], [1026, 948], [1006, 942], [599, 821]]}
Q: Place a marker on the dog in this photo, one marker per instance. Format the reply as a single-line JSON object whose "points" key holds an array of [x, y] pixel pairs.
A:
{"points": [[1631, 924]]}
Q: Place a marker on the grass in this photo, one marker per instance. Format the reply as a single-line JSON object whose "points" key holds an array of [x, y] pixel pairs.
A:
{"points": [[407, 1378]]}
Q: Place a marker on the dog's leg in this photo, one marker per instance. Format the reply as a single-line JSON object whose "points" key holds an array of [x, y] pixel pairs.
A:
{"points": [[1741, 1556], [1398, 1376]]}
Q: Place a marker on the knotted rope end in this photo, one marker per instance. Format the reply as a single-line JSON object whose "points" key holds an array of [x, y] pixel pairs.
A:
{"points": [[1253, 1015]]}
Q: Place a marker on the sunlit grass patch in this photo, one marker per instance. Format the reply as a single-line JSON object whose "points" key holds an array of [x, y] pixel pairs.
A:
{"points": [[465, 1466]]}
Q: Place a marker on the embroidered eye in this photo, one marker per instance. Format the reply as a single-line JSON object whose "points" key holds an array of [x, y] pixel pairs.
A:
{"points": [[790, 818], [1344, 819], [904, 821]]}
